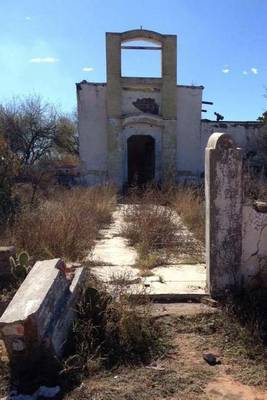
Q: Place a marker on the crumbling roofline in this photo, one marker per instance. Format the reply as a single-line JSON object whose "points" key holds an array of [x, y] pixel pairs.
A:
{"points": [[104, 83], [232, 122]]}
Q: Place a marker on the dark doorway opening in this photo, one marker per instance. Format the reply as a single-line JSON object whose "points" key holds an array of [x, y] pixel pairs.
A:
{"points": [[141, 159]]}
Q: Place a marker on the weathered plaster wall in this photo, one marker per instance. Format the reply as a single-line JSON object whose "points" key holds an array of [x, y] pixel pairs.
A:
{"points": [[236, 232], [183, 139], [130, 96], [188, 130], [104, 107], [244, 133], [95, 145], [254, 247], [92, 131]]}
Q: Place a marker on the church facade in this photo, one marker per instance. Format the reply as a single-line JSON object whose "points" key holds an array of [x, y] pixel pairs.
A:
{"points": [[135, 130]]}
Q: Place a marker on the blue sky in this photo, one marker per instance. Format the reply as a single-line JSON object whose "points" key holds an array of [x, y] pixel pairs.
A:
{"points": [[47, 46]]}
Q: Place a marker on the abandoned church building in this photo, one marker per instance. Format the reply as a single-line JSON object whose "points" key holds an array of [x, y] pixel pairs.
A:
{"points": [[137, 129]]}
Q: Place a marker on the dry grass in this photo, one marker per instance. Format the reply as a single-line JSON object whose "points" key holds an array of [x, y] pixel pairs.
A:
{"points": [[113, 342], [148, 224], [64, 225], [189, 203], [255, 188], [152, 230], [8, 288], [153, 227], [181, 372], [147, 261], [145, 384], [241, 349], [111, 331]]}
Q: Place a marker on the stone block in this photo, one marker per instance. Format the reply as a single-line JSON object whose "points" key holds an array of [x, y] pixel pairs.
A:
{"points": [[5, 253], [39, 317]]}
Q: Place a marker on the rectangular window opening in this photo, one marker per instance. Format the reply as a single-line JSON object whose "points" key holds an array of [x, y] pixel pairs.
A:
{"points": [[141, 63]]}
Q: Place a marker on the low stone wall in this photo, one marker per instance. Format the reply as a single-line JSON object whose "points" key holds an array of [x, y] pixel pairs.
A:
{"points": [[40, 314], [236, 233], [254, 245], [246, 134]]}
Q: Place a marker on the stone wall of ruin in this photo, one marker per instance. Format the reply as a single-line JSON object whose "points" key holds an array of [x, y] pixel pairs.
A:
{"points": [[236, 228]]}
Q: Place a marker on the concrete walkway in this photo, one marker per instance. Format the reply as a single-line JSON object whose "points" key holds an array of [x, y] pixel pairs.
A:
{"points": [[114, 261]]}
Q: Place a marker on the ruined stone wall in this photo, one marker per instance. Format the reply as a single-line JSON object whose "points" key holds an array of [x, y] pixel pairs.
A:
{"points": [[254, 245], [104, 108], [177, 138], [236, 231], [245, 134], [184, 137], [139, 101], [92, 122], [189, 104]]}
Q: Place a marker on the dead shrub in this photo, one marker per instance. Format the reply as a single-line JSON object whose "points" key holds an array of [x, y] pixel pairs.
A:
{"points": [[64, 225], [249, 307], [147, 261], [189, 204], [111, 331], [255, 188], [149, 225], [153, 226], [150, 194]]}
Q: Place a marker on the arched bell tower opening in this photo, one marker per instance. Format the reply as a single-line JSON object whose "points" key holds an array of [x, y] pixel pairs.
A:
{"points": [[141, 97], [141, 159]]}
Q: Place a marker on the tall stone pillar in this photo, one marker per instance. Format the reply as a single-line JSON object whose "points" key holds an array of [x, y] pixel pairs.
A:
{"points": [[114, 130], [169, 107], [223, 190]]}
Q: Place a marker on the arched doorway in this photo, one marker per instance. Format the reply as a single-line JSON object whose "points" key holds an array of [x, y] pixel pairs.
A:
{"points": [[141, 159]]}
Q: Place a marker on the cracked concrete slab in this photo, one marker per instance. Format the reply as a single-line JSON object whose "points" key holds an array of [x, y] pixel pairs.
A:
{"points": [[117, 261], [114, 251]]}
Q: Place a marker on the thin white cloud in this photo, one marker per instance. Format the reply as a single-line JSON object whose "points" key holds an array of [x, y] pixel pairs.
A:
{"points": [[88, 69], [226, 70], [28, 18], [245, 72], [49, 60], [254, 70]]}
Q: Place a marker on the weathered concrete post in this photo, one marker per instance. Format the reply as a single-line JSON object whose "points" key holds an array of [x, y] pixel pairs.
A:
{"points": [[223, 190]]}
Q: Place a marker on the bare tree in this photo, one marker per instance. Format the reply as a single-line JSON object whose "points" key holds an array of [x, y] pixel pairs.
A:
{"points": [[36, 133], [30, 128]]}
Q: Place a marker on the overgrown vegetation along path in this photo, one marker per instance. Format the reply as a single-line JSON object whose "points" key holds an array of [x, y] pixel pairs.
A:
{"points": [[182, 373], [161, 273]]}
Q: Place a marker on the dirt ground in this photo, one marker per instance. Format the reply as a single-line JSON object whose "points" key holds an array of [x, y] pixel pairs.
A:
{"points": [[182, 373], [192, 330]]}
